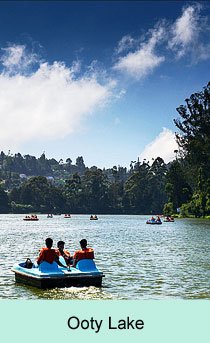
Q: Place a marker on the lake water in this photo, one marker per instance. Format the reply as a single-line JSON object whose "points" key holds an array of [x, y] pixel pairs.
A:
{"points": [[168, 261]]}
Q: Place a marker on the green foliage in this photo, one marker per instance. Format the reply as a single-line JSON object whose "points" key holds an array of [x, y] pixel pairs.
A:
{"points": [[177, 187], [194, 142], [72, 193], [21, 208], [95, 191], [4, 201], [40, 194], [195, 128], [144, 190], [168, 209]]}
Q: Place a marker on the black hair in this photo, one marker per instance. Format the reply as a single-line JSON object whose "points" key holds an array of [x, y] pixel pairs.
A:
{"points": [[83, 242], [49, 242], [60, 242]]}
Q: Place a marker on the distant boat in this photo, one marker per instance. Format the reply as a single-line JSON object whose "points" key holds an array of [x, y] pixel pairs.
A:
{"points": [[93, 217], [169, 220], [31, 218], [49, 216], [67, 216], [153, 222]]}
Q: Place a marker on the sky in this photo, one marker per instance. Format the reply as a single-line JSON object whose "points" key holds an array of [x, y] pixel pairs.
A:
{"points": [[99, 79]]}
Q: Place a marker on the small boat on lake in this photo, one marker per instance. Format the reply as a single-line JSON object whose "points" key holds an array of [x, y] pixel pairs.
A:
{"points": [[31, 218], [169, 220], [49, 216], [67, 216], [149, 221], [50, 275], [154, 221], [93, 217]]}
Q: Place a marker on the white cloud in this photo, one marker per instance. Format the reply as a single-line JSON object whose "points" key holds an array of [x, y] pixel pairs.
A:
{"points": [[125, 43], [144, 60], [48, 103], [162, 146], [15, 58], [186, 34]]}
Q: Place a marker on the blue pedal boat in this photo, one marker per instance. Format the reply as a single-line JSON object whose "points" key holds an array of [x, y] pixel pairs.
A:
{"points": [[153, 222], [50, 275]]}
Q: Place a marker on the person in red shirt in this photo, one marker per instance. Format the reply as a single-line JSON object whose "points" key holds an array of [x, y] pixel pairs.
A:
{"points": [[84, 253], [64, 253], [48, 254]]}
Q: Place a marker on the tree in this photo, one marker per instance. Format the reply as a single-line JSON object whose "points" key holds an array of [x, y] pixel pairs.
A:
{"points": [[80, 165], [156, 183], [95, 188], [72, 192], [194, 142], [4, 203], [136, 196], [176, 187], [194, 125], [41, 194]]}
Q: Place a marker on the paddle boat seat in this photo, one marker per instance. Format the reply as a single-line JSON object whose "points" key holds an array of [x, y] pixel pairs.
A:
{"points": [[46, 267], [86, 266]]}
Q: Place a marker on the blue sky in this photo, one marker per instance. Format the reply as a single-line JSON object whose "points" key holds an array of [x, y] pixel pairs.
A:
{"points": [[99, 79]]}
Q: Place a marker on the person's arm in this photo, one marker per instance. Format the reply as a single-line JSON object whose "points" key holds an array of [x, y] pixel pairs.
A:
{"points": [[75, 259], [67, 257], [41, 257], [58, 262], [93, 254]]}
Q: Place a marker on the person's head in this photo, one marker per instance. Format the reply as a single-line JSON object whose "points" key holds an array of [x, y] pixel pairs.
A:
{"points": [[60, 245], [83, 243], [49, 242]]}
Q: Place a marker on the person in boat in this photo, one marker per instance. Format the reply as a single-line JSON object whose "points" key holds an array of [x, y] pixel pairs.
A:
{"points": [[158, 219], [84, 253], [64, 253], [48, 254], [152, 219]]}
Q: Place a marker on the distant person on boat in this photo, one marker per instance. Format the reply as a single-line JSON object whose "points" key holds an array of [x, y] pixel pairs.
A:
{"points": [[64, 253], [158, 220], [93, 217], [84, 253], [48, 254]]}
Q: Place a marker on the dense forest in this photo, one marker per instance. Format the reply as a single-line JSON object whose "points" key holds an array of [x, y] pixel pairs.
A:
{"points": [[29, 184]]}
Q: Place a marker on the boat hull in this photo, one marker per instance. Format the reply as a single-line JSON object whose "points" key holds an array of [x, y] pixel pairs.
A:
{"points": [[31, 220], [59, 282], [154, 223], [48, 275]]}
